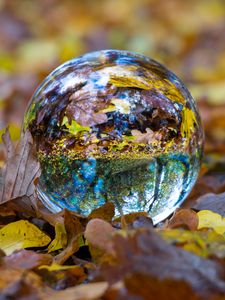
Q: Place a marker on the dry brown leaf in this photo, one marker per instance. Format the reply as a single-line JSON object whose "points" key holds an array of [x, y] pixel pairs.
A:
{"points": [[130, 218], [145, 138], [25, 259], [213, 202], [20, 171], [12, 282], [99, 235], [74, 230], [91, 291], [144, 252], [62, 276], [105, 212], [185, 218], [51, 218], [168, 289]]}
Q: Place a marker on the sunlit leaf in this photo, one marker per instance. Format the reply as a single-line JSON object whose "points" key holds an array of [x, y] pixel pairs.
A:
{"points": [[201, 243], [60, 239], [21, 234], [209, 219], [122, 106], [14, 131], [74, 127], [188, 123], [56, 267]]}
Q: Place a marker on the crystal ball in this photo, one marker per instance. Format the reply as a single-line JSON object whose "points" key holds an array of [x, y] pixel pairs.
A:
{"points": [[115, 126]]}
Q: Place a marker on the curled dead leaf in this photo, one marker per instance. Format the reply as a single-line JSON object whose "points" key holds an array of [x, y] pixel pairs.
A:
{"points": [[185, 218], [99, 235]]}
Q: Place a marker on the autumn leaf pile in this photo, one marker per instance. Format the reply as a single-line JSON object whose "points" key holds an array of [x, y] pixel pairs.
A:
{"points": [[66, 256]]}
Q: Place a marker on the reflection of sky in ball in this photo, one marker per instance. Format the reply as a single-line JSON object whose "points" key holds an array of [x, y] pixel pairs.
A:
{"points": [[115, 126]]}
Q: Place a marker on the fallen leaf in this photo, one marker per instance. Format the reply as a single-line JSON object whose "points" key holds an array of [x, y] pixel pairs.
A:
{"points": [[206, 184], [123, 106], [91, 291], [74, 128], [185, 218], [146, 286], [8, 276], [124, 77], [21, 234], [60, 240], [202, 243], [25, 259], [213, 202], [50, 217], [105, 212], [21, 169], [13, 280], [14, 131], [20, 290], [144, 252], [142, 222], [188, 122], [80, 110], [56, 267], [60, 277], [209, 219], [99, 234], [133, 220], [130, 218], [145, 138], [74, 230]]}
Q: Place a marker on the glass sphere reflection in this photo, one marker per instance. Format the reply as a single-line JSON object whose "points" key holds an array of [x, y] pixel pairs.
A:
{"points": [[115, 126]]}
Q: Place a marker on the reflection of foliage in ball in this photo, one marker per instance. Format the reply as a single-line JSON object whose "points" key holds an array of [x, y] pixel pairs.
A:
{"points": [[102, 121]]}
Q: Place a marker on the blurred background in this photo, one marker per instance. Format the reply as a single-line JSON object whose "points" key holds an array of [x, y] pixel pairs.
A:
{"points": [[187, 36]]}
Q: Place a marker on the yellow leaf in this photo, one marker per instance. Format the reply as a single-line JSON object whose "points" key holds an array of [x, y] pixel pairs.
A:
{"points": [[188, 123], [74, 128], [21, 234], [14, 131], [209, 219], [199, 242], [60, 239], [122, 106], [131, 81], [127, 77], [56, 267], [110, 108]]}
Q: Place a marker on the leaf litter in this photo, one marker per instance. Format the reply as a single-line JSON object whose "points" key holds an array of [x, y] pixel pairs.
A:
{"points": [[176, 260], [100, 257]]}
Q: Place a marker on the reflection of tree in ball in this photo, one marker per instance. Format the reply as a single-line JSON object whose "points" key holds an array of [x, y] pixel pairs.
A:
{"points": [[115, 126]]}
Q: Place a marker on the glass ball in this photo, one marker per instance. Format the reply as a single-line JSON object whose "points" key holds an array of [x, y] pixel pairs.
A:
{"points": [[115, 126]]}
